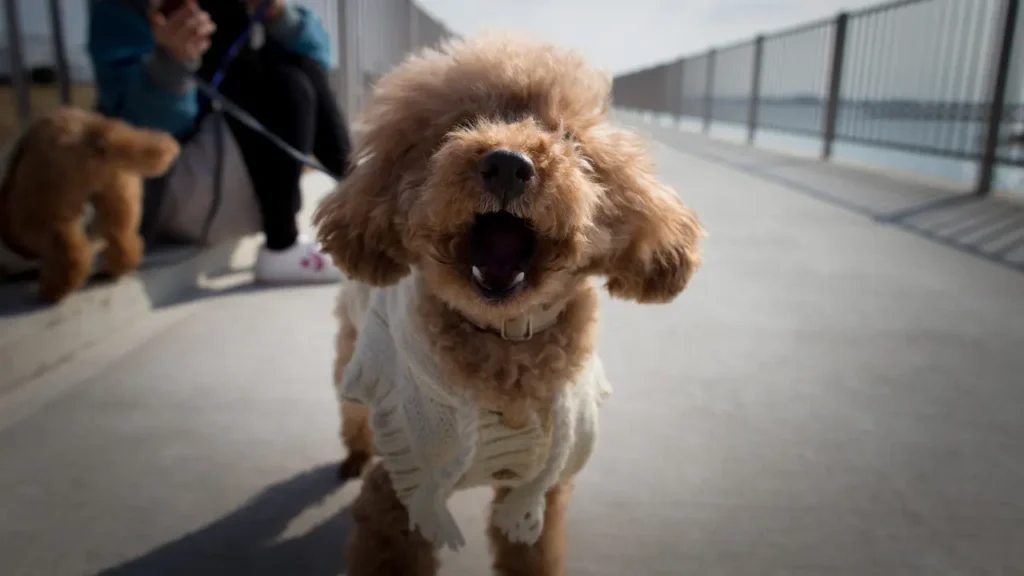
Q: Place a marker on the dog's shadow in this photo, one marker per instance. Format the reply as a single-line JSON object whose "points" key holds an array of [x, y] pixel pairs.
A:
{"points": [[249, 540]]}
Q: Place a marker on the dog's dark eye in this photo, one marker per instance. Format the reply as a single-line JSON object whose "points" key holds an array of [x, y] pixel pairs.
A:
{"points": [[568, 136]]}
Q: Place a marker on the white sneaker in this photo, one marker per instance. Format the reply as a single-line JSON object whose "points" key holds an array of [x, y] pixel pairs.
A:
{"points": [[303, 263]]}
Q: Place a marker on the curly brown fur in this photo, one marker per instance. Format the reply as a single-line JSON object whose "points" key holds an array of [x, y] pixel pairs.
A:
{"points": [[416, 201], [63, 161]]}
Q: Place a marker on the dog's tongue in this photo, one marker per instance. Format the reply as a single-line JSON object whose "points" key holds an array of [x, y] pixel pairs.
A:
{"points": [[501, 247]]}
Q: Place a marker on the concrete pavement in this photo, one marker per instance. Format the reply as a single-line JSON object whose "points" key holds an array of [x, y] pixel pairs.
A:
{"points": [[833, 396]]}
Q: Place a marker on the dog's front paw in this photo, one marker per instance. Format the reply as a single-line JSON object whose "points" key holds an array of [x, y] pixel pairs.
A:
{"points": [[522, 520], [122, 256]]}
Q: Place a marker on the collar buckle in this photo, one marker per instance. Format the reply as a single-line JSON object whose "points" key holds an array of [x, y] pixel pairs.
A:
{"points": [[529, 331]]}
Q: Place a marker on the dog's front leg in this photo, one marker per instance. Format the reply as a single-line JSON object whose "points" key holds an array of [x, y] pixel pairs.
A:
{"points": [[546, 556], [356, 436], [357, 439], [66, 263], [382, 542], [118, 215]]}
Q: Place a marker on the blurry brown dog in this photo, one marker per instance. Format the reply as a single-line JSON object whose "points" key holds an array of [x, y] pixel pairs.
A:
{"points": [[65, 160], [488, 188]]}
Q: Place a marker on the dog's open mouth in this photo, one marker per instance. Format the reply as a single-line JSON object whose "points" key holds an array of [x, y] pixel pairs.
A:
{"points": [[501, 248]]}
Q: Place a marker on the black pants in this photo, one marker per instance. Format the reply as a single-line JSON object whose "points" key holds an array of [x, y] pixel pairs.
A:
{"points": [[291, 96]]}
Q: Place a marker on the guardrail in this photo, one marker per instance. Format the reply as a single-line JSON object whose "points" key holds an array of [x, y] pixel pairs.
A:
{"points": [[373, 36], [937, 77]]}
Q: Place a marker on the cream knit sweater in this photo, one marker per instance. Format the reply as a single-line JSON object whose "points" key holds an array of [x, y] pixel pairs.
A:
{"points": [[434, 438]]}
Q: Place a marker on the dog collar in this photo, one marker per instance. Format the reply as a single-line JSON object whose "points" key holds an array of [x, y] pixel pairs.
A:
{"points": [[522, 328]]}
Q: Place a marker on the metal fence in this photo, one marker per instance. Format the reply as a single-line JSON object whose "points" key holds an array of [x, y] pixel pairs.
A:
{"points": [[373, 36], [936, 77]]}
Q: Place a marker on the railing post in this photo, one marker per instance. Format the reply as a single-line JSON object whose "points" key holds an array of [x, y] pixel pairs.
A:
{"points": [[997, 99], [755, 90], [348, 60], [834, 85], [664, 72], [410, 10], [60, 53], [414, 29], [16, 62], [709, 90], [651, 90], [677, 105], [342, 81], [668, 91], [647, 91]]}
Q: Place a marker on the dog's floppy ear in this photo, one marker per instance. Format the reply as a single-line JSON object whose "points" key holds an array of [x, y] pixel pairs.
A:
{"points": [[362, 223], [654, 245], [356, 224]]}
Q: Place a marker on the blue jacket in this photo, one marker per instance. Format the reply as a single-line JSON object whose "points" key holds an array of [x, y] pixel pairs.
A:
{"points": [[138, 82]]}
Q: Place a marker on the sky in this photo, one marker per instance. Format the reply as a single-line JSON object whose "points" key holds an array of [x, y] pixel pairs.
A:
{"points": [[624, 35]]}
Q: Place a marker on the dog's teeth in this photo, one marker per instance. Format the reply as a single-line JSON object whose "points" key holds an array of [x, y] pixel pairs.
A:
{"points": [[478, 274], [519, 278]]}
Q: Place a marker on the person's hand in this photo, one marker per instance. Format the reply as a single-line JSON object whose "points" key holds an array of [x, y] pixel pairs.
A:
{"points": [[273, 11], [185, 33]]}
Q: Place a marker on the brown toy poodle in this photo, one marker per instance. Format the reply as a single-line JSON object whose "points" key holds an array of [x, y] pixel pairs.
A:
{"points": [[65, 160], [488, 189]]}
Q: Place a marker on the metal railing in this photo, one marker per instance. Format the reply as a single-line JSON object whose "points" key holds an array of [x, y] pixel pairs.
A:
{"points": [[938, 77], [373, 36], [19, 77]]}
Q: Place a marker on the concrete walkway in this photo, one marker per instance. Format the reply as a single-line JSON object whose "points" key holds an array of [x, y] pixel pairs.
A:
{"points": [[835, 396]]}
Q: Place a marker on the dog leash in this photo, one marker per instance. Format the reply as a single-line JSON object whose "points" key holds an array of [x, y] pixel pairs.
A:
{"points": [[220, 103], [238, 113], [210, 90], [236, 46]]}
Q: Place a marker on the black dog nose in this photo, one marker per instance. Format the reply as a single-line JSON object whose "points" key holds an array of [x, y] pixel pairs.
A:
{"points": [[506, 174]]}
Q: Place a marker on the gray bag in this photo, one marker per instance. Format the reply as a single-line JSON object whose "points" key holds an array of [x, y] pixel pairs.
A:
{"points": [[207, 197]]}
